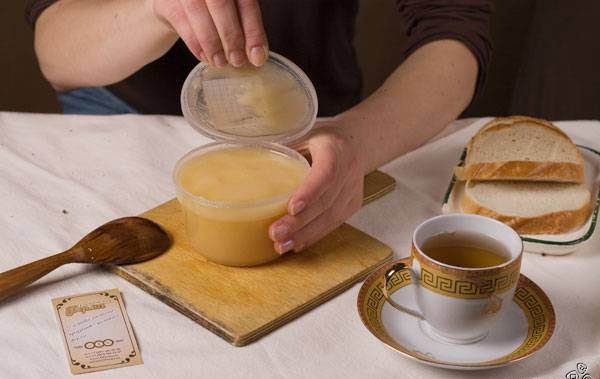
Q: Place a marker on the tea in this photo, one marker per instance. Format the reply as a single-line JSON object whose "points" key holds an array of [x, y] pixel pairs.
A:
{"points": [[460, 302], [463, 249]]}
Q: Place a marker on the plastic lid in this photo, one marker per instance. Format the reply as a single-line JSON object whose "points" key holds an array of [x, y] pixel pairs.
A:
{"points": [[276, 102]]}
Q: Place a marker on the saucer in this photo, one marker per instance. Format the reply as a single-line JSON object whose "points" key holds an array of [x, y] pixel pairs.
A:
{"points": [[523, 330]]}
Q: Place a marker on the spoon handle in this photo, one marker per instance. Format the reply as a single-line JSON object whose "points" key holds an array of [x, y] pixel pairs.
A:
{"points": [[14, 280]]}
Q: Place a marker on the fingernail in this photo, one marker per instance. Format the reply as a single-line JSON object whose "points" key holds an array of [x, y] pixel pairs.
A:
{"points": [[236, 58], [280, 232], [284, 247], [258, 55], [297, 207], [219, 59]]}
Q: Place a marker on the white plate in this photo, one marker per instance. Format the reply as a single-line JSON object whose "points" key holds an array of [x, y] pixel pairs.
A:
{"points": [[554, 244]]}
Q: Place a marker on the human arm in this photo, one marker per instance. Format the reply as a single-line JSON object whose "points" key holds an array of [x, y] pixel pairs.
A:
{"points": [[100, 42], [429, 90]]}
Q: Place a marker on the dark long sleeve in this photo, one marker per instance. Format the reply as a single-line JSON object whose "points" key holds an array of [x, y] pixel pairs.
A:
{"points": [[463, 20], [317, 35], [33, 9]]}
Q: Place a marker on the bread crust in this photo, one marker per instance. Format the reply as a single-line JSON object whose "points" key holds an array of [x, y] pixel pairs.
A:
{"points": [[521, 170], [502, 122], [549, 223]]}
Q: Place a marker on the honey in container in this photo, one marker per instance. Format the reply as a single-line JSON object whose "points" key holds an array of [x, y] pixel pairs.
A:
{"points": [[232, 190]]}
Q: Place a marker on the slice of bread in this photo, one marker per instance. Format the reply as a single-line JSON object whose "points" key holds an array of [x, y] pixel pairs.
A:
{"points": [[521, 148], [530, 207]]}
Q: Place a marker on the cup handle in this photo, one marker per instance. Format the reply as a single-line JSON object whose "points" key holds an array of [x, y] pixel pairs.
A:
{"points": [[398, 267]]}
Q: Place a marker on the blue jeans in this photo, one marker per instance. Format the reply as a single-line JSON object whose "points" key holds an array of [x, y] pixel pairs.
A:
{"points": [[93, 100]]}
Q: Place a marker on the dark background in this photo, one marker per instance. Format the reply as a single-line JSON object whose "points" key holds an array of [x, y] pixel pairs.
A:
{"points": [[22, 87], [546, 59]]}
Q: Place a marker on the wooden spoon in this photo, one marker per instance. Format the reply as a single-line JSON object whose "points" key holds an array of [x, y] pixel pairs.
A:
{"points": [[123, 241]]}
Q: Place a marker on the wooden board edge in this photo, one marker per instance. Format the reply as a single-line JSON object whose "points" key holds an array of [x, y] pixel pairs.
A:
{"points": [[246, 339], [385, 182], [197, 317], [323, 298]]}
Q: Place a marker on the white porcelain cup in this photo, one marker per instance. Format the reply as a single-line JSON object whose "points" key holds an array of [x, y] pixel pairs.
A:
{"points": [[457, 304]]}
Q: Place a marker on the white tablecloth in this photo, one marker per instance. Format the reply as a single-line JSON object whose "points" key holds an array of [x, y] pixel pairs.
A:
{"points": [[61, 176]]}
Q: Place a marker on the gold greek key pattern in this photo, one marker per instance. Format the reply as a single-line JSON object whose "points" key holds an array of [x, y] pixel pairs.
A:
{"points": [[376, 299], [536, 314], [476, 288], [533, 302], [540, 317], [398, 280]]}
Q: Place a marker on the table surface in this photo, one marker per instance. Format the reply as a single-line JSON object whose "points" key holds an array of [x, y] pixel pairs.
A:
{"points": [[61, 176]]}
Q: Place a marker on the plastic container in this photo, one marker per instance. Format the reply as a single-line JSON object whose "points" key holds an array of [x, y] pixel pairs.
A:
{"points": [[234, 232], [205, 80]]}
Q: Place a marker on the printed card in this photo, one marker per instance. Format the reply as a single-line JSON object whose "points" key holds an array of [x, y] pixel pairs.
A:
{"points": [[96, 331]]}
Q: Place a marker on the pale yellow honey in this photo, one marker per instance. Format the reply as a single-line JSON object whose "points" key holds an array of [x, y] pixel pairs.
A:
{"points": [[255, 101], [237, 193]]}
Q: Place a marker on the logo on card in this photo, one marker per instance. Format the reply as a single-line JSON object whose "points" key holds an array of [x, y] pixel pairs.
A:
{"points": [[98, 344], [73, 309], [579, 373]]}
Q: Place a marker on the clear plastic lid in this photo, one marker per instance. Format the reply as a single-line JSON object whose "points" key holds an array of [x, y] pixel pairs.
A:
{"points": [[276, 102]]}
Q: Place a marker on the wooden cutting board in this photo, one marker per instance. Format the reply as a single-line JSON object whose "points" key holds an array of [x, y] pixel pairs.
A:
{"points": [[243, 304]]}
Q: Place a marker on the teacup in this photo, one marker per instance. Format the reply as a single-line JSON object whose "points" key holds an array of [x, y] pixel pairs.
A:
{"points": [[457, 304]]}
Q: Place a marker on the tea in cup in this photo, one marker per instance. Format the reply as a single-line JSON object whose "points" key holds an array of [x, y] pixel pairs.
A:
{"points": [[465, 269]]}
